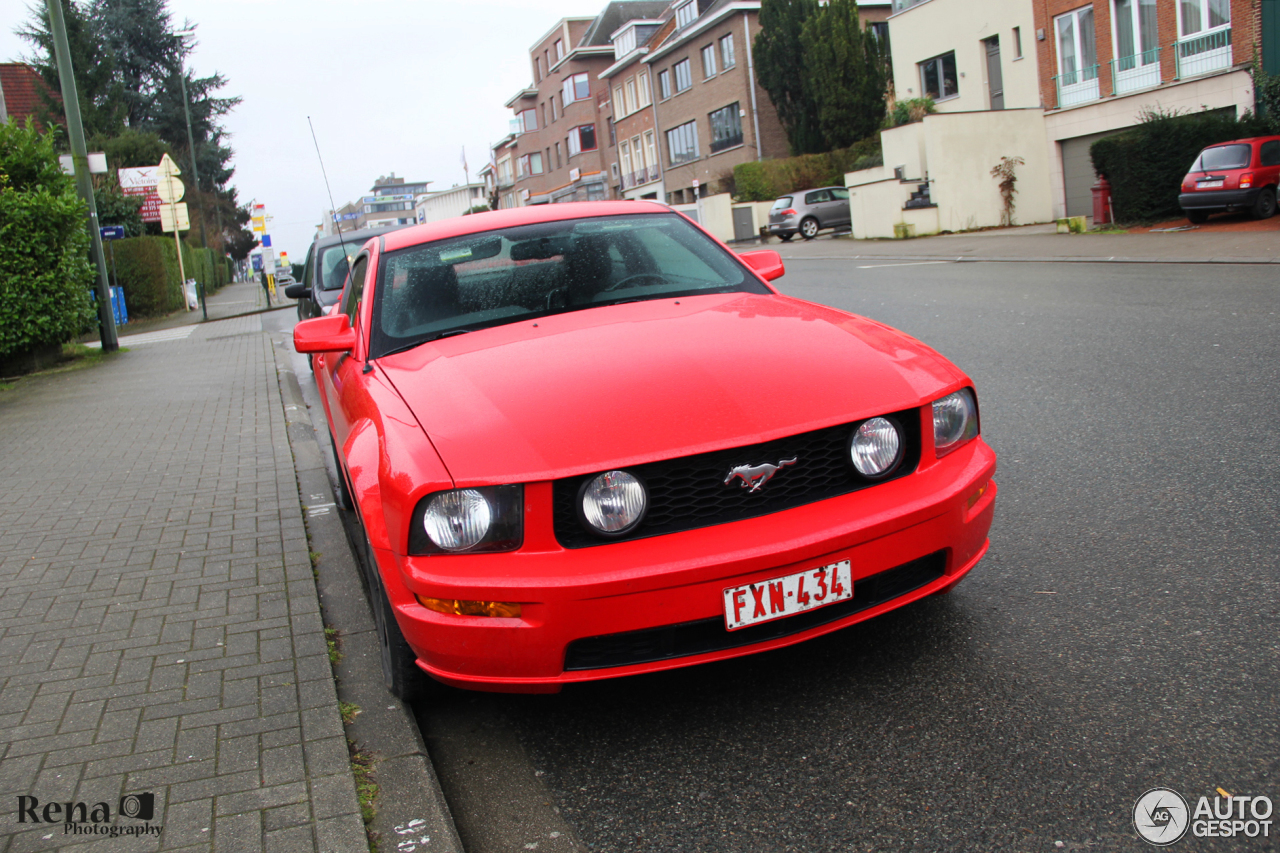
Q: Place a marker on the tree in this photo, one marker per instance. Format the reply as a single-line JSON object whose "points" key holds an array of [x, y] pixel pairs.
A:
{"points": [[783, 71], [102, 107], [44, 248], [846, 74], [139, 34]]}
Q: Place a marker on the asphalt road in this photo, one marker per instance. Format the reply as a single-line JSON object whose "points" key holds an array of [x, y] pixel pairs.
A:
{"points": [[1122, 633]]}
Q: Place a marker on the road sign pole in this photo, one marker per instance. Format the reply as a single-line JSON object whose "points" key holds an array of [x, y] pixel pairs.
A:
{"points": [[80, 155]]}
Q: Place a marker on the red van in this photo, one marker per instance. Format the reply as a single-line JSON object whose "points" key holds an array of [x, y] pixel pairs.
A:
{"points": [[1237, 175]]}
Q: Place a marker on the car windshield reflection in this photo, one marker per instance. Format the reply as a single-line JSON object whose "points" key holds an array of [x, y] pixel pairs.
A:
{"points": [[495, 277]]}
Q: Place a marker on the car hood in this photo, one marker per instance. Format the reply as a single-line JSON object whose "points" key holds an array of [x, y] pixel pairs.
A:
{"points": [[626, 384]]}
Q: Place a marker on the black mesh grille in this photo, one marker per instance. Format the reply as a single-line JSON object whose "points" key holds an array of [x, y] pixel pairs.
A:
{"points": [[690, 492], [709, 635]]}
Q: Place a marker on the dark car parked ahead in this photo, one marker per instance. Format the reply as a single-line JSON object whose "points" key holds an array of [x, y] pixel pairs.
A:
{"points": [[325, 270], [1238, 175], [809, 211]]}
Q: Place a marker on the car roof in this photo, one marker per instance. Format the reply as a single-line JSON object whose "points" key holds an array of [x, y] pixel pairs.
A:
{"points": [[1242, 141], [355, 238], [512, 217]]}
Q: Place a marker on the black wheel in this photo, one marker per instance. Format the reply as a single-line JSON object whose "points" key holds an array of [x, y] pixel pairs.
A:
{"points": [[343, 494], [1197, 216], [786, 238], [400, 673], [809, 228], [1264, 207]]}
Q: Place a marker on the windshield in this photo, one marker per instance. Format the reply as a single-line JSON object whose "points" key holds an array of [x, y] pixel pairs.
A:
{"points": [[529, 271], [335, 263], [1222, 157]]}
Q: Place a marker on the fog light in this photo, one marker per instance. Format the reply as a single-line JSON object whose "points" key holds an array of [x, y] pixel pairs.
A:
{"points": [[456, 607]]}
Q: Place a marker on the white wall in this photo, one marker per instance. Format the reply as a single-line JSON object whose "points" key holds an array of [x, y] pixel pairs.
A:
{"points": [[446, 204], [936, 27]]}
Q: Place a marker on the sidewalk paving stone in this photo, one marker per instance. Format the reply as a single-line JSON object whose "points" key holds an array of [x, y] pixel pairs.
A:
{"points": [[159, 623]]}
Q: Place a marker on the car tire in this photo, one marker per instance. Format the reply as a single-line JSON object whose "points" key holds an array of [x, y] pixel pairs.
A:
{"points": [[1197, 217], [400, 673], [1264, 207], [342, 495], [809, 228], [786, 238]]}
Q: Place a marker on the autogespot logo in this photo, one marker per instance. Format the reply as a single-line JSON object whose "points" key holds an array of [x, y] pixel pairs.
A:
{"points": [[1161, 816]]}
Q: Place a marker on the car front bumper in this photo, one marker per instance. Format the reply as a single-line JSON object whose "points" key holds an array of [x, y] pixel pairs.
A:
{"points": [[605, 607], [1218, 199]]}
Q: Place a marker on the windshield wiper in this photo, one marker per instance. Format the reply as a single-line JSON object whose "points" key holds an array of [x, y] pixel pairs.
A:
{"points": [[447, 333]]}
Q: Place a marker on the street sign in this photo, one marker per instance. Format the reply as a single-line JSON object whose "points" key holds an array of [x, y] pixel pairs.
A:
{"points": [[173, 217], [259, 224], [141, 183], [167, 167], [112, 232], [170, 189], [257, 263], [266, 240]]}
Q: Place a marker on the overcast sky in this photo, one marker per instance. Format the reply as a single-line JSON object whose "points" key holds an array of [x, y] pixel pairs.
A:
{"points": [[391, 86]]}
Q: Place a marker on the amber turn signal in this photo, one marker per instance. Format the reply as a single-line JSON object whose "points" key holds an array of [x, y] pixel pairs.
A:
{"points": [[453, 606], [976, 496]]}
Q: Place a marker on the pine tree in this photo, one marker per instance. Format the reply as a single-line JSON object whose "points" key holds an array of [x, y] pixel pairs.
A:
{"points": [[846, 74], [784, 71]]}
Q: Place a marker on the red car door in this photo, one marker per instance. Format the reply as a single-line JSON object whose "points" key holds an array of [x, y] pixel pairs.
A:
{"points": [[341, 373]]}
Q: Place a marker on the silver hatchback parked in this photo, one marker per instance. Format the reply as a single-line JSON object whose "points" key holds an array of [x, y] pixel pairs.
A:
{"points": [[809, 211]]}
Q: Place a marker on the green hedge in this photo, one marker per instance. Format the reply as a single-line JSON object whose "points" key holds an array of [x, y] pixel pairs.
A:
{"points": [[147, 268], [765, 180], [44, 247], [1146, 165]]}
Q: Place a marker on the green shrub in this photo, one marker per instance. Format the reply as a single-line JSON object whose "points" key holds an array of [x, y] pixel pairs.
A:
{"points": [[1145, 165], [148, 271], [765, 180], [45, 274], [909, 110]]}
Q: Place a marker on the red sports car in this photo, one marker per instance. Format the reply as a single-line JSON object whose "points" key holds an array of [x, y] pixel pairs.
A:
{"points": [[587, 440]]}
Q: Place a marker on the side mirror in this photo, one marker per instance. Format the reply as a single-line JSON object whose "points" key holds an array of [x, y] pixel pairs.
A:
{"points": [[296, 291], [766, 262], [325, 334]]}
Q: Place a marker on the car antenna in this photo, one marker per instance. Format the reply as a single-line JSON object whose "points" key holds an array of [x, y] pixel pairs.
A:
{"points": [[334, 207]]}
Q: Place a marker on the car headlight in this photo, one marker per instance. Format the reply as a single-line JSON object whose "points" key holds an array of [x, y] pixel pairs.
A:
{"points": [[613, 503], [482, 519], [955, 421], [876, 447]]}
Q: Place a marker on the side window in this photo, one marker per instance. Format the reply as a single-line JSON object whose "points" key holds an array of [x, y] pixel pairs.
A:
{"points": [[817, 197], [840, 194], [355, 289], [309, 265], [1270, 153]]}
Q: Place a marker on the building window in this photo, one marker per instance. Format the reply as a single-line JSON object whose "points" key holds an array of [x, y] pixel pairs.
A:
{"points": [[631, 95], [625, 156], [530, 164], [1077, 57], [559, 46], [1198, 16], [686, 14], [552, 101], [880, 32], [727, 59], [938, 77], [582, 138], [1017, 42], [642, 90], [1204, 36], [528, 120], [709, 61], [1137, 47], [625, 43], [576, 88], [619, 105], [558, 155], [537, 68], [613, 136], [664, 84], [652, 150], [684, 77], [726, 128], [682, 143]]}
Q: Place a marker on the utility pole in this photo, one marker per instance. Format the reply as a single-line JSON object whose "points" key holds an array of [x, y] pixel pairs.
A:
{"points": [[195, 173], [80, 157]]}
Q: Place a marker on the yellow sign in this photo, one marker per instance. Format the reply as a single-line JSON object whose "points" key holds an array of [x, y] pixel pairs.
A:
{"points": [[173, 217], [259, 224]]}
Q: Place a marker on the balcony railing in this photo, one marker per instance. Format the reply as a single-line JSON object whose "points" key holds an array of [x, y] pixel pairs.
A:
{"points": [[727, 142], [1203, 54], [1078, 87], [638, 177], [1138, 71]]}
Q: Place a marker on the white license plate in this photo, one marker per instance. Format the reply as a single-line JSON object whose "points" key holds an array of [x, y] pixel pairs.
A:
{"points": [[1209, 185], [779, 597]]}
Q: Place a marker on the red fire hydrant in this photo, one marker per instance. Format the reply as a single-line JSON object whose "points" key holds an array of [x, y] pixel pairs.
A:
{"points": [[1101, 201]]}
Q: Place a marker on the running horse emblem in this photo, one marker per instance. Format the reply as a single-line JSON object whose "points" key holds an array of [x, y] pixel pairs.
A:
{"points": [[753, 477]]}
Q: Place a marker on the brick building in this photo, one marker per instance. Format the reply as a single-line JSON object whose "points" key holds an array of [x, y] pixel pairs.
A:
{"points": [[1103, 63], [636, 168]]}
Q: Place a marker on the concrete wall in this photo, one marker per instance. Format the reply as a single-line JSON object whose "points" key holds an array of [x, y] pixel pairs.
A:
{"points": [[956, 152], [936, 27]]}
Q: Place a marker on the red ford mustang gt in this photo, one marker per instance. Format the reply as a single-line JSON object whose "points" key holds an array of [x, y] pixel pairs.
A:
{"points": [[587, 440]]}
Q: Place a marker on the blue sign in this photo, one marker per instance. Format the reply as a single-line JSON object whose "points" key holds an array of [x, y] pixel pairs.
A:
{"points": [[266, 241], [257, 263], [112, 232]]}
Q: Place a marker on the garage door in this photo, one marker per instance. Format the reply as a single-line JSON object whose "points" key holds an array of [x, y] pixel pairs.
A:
{"points": [[1077, 171]]}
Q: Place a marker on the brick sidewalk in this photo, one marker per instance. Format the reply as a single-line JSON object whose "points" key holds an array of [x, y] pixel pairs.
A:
{"points": [[159, 625]]}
